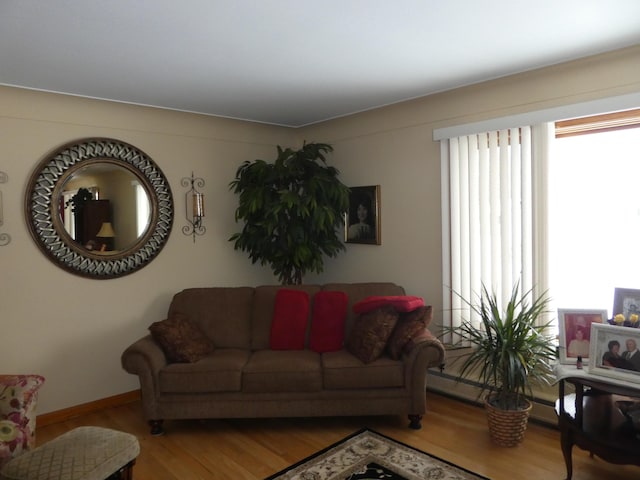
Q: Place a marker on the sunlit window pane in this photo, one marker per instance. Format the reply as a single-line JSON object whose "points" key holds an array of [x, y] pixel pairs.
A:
{"points": [[594, 218]]}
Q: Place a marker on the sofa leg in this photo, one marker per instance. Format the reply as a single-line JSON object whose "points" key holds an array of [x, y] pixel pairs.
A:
{"points": [[156, 427], [414, 422]]}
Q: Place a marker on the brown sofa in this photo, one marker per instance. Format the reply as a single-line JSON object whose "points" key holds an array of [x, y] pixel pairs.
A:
{"points": [[244, 378]]}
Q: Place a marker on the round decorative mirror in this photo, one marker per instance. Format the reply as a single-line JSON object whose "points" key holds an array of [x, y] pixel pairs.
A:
{"points": [[99, 208]]}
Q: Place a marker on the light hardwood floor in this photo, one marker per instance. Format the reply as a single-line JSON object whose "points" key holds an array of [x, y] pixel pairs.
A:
{"points": [[252, 449]]}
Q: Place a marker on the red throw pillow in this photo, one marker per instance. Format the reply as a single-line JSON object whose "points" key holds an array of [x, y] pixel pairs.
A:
{"points": [[402, 303], [327, 324], [289, 323]]}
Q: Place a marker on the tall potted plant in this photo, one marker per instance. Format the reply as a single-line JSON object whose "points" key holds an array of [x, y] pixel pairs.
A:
{"points": [[292, 210], [510, 351]]}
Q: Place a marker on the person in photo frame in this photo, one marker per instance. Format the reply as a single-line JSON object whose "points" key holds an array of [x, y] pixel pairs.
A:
{"points": [[362, 228], [579, 346], [631, 354], [613, 358]]}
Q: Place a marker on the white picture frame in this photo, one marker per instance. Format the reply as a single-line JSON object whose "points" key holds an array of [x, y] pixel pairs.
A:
{"points": [[603, 340], [575, 332]]}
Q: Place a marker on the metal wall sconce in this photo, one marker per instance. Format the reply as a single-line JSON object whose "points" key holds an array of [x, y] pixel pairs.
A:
{"points": [[194, 204], [5, 238]]}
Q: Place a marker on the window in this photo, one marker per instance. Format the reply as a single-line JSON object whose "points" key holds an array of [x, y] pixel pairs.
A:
{"points": [[489, 206], [594, 214], [143, 210], [576, 231]]}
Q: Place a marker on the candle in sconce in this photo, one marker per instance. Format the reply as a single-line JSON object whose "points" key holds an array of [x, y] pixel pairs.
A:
{"points": [[198, 205]]}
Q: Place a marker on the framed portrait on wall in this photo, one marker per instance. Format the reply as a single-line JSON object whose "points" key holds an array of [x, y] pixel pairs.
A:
{"points": [[362, 220], [575, 332]]}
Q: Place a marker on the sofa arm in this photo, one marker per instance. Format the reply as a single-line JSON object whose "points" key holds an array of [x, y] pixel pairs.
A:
{"points": [[145, 358], [426, 339], [144, 355], [423, 352]]}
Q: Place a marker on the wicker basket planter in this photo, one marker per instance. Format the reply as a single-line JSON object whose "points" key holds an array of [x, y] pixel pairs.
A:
{"points": [[507, 427]]}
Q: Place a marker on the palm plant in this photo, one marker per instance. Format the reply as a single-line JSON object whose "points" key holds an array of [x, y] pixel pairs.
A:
{"points": [[292, 210], [511, 351]]}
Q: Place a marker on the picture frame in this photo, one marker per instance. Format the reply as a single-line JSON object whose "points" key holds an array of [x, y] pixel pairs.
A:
{"points": [[575, 332], [626, 301], [604, 338], [362, 220]]}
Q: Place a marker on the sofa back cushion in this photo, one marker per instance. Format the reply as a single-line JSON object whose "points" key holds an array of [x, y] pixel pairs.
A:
{"points": [[359, 291], [222, 313], [262, 310]]}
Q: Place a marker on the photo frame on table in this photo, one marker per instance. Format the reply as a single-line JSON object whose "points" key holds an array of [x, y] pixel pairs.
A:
{"points": [[605, 361], [575, 332], [626, 301], [362, 220]]}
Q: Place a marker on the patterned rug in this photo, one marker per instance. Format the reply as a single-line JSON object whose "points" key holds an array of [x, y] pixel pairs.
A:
{"points": [[368, 455]]}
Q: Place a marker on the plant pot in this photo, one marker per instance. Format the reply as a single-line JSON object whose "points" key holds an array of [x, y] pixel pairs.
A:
{"points": [[507, 427]]}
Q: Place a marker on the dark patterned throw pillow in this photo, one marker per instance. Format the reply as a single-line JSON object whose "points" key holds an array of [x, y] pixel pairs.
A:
{"points": [[370, 332], [409, 325], [181, 339]]}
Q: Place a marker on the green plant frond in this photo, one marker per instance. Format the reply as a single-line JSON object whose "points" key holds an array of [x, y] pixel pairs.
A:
{"points": [[510, 350]]}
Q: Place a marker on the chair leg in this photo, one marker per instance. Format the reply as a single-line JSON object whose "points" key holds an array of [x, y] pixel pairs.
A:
{"points": [[156, 427], [415, 422]]}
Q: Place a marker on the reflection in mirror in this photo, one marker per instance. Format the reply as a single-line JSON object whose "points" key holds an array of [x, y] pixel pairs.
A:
{"points": [[99, 208], [102, 194]]}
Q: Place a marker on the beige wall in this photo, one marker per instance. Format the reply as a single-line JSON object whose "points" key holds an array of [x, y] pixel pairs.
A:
{"points": [[394, 147], [72, 330]]}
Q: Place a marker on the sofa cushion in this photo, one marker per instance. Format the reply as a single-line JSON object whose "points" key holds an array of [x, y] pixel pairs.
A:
{"points": [[289, 323], [269, 371], [342, 370], [180, 339], [402, 303], [222, 313], [328, 320], [262, 307], [220, 371], [370, 333], [408, 326]]}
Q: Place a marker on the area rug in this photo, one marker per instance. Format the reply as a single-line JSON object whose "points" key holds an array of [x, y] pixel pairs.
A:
{"points": [[370, 455]]}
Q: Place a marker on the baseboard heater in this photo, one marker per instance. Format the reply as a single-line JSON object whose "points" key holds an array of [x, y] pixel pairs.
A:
{"points": [[441, 382]]}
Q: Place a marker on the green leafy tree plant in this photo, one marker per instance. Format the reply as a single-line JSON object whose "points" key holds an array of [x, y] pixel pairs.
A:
{"points": [[292, 210]]}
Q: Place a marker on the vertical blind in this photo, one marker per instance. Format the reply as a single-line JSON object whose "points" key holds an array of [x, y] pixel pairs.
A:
{"points": [[488, 211]]}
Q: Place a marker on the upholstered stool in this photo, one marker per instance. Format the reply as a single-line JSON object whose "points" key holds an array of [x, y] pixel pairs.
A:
{"points": [[84, 453]]}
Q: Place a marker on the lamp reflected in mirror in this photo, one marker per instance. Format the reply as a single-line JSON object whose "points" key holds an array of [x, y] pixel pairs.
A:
{"points": [[194, 206], [105, 237]]}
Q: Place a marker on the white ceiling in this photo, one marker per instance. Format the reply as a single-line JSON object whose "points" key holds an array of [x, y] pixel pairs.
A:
{"points": [[294, 62]]}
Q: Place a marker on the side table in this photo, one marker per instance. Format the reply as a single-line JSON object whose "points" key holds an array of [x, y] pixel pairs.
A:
{"points": [[590, 419]]}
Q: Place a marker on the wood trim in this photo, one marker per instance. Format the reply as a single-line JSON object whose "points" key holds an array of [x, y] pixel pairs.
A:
{"points": [[83, 409], [598, 123]]}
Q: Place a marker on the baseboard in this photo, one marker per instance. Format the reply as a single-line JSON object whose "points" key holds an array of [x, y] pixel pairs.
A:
{"points": [[440, 382], [86, 408]]}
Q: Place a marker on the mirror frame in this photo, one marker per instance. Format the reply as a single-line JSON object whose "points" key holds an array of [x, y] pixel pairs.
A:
{"points": [[42, 208]]}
